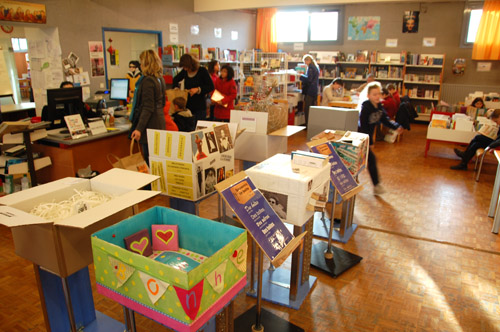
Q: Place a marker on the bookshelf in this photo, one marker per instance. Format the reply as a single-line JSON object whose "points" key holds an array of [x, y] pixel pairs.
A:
{"points": [[422, 82]]}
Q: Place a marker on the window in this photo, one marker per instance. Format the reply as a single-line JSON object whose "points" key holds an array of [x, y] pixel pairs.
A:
{"points": [[474, 19], [19, 44], [324, 26], [292, 26], [304, 26], [470, 24]]}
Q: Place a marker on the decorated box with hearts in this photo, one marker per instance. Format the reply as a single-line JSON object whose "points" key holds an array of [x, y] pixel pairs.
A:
{"points": [[181, 300]]}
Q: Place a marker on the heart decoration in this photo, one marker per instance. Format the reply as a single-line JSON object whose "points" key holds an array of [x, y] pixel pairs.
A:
{"points": [[165, 236], [140, 246]]}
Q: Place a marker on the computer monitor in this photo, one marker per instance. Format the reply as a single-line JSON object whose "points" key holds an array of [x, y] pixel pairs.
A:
{"points": [[119, 89], [62, 102]]}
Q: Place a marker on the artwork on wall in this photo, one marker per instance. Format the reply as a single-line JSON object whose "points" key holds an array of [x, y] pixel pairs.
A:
{"points": [[363, 28], [23, 12], [458, 67], [410, 22], [96, 58]]}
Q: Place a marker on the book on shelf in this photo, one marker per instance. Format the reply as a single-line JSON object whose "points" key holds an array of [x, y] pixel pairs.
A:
{"points": [[403, 56], [423, 60], [374, 56], [196, 51], [361, 56], [176, 50]]}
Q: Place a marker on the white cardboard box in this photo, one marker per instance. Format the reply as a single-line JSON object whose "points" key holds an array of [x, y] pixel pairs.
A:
{"points": [[190, 164], [275, 178], [64, 247], [450, 135]]}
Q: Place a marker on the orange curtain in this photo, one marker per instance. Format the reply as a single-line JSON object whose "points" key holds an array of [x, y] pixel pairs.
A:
{"points": [[266, 30], [487, 44]]}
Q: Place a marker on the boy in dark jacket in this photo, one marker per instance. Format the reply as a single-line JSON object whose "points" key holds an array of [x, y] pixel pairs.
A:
{"points": [[183, 117], [372, 113]]}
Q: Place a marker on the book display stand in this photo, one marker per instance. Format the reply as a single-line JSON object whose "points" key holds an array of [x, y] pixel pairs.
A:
{"points": [[272, 238], [326, 257]]}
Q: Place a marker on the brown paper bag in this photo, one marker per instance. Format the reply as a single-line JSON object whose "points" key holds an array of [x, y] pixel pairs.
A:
{"points": [[133, 162]]}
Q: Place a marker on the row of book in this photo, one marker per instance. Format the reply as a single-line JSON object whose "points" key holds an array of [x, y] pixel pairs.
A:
{"points": [[422, 78], [391, 72], [424, 60], [175, 51], [422, 93]]}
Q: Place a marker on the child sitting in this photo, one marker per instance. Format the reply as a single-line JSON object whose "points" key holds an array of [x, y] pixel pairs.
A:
{"points": [[389, 104], [183, 117]]}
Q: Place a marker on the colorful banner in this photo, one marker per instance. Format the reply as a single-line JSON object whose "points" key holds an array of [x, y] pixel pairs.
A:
{"points": [[258, 217], [122, 271], [154, 287], [216, 277]]}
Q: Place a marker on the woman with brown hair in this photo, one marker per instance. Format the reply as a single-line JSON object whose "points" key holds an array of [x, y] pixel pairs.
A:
{"points": [[197, 81], [149, 100]]}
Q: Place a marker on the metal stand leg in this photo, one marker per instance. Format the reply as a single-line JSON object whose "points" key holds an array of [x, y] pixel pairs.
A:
{"points": [[69, 306], [252, 269], [129, 320], [258, 327], [329, 251]]}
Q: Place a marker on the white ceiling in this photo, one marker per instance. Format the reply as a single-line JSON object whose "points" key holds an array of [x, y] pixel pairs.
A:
{"points": [[214, 5]]}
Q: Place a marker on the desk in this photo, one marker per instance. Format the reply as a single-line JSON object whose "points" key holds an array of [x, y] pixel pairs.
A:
{"points": [[69, 155], [494, 198], [15, 112]]}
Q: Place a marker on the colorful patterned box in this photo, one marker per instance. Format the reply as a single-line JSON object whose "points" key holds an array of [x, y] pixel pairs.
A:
{"points": [[181, 300]]}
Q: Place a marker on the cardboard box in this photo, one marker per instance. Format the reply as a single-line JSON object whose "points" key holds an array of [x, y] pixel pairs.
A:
{"points": [[352, 147], [287, 191], [188, 299], [64, 247], [261, 122], [189, 165], [450, 135]]}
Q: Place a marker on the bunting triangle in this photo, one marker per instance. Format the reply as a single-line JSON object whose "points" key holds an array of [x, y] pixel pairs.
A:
{"points": [[190, 299], [216, 277], [121, 271], [154, 287], [239, 256]]}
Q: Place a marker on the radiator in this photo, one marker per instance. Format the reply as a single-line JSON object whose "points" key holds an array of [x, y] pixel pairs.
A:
{"points": [[454, 93]]}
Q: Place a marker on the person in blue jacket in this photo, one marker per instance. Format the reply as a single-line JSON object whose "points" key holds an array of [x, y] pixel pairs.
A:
{"points": [[310, 82], [372, 113]]}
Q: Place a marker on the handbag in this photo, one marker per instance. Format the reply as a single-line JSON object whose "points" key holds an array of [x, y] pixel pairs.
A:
{"points": [[132, 162]]}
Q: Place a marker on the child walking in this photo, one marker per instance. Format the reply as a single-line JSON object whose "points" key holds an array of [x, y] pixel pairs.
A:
{"points": [[372, 113]]}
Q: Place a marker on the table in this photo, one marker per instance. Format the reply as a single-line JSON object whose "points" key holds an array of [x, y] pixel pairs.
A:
{"points": [[69, 155], [15, 112], [343, 104], [494, 203]]}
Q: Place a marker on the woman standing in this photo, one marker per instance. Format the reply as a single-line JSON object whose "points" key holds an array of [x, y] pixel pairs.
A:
{"points": [[149, 100], [197, 82], [310, 82]]}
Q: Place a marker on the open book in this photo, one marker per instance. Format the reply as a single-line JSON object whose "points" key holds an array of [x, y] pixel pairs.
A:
{"points": [[217, 96]]}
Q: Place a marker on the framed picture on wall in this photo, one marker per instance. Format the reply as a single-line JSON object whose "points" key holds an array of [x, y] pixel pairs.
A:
{"points": [[410, 22]]}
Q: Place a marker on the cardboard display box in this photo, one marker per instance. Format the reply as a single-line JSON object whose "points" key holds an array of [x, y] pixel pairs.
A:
{"points": [[183, 301], [323, 117], [261, 122], [450, 135], [64, 247], [352, 147], [287, 191], [191, 164]]}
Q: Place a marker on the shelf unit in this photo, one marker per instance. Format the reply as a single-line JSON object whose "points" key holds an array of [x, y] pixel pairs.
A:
{"points": [[423, 81], [415, 72]]}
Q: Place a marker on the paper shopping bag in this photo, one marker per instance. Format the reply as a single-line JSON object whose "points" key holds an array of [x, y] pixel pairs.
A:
{"points": [[132, 162]]}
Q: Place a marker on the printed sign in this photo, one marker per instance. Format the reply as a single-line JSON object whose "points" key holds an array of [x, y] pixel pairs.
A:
{"points": [[258, 217], [340, 176]]}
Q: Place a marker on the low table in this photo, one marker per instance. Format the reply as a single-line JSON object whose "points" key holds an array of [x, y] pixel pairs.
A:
{"points": [[448, 136]]}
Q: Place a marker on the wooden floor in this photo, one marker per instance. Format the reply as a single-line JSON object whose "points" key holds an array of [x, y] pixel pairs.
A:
{"points": [[430, 261]]}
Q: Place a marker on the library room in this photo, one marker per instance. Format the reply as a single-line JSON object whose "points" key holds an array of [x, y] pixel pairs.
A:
{"points": [[216, 165]]}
